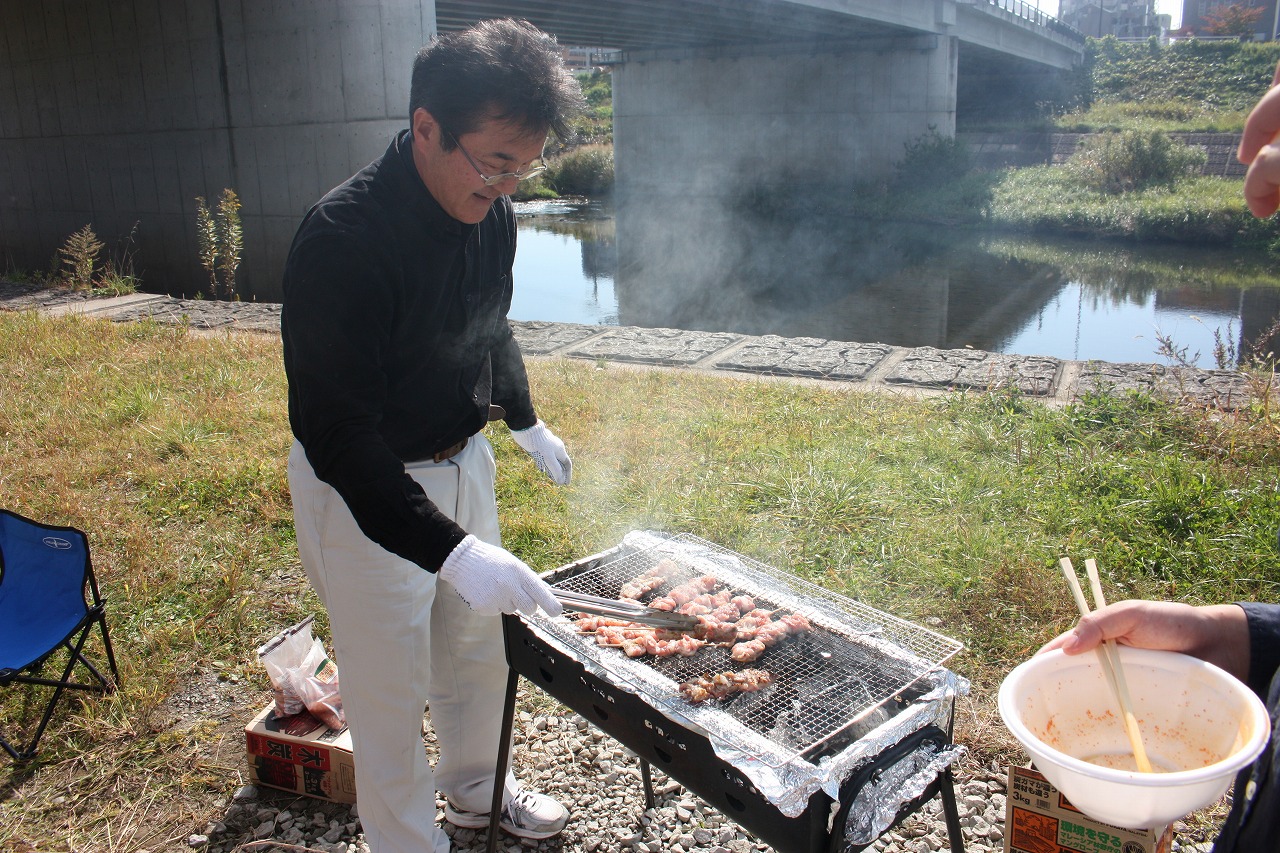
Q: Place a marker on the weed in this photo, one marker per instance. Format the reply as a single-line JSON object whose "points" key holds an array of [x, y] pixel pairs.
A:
{"points": [[220, 242], [80, 257], [18, 275], [230, 240], [207, 243], [114, 283], [118, 277]]}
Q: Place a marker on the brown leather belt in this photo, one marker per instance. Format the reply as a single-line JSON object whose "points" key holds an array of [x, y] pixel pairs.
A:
{"points": [[496, 413], [450, 452]]}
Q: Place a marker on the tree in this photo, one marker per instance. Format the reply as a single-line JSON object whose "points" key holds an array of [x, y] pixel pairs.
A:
{"points": [[1234, 19]]}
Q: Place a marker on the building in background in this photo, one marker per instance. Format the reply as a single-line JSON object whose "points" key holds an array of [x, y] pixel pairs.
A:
{"points": [[1127, 19], [580, 58], [1197, 16]]}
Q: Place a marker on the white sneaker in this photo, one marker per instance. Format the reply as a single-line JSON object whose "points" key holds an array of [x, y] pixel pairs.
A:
{"points": [[527, 815]]}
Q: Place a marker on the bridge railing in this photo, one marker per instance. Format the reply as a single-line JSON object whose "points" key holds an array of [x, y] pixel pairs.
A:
{"points": [[1030, 13]]}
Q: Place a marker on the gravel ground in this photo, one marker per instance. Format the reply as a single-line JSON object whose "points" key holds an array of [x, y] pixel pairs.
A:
{"points": [[599, 780]]}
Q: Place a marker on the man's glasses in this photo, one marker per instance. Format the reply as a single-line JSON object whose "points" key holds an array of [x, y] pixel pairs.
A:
{"points": [[493, 180]]}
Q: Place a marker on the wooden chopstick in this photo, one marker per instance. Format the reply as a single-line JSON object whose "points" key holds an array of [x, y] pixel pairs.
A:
{"points": [[1109, 658], [1117, 669]]}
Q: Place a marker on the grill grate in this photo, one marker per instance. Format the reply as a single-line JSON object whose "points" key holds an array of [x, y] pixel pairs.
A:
{"points": [[855, 670]]}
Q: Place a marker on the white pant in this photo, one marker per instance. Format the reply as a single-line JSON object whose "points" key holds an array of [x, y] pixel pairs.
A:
{"points": [[404, 639]]}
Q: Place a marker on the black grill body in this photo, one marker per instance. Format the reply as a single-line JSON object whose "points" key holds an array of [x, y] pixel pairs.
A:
{"points": [[688, 757], [855, 660]]}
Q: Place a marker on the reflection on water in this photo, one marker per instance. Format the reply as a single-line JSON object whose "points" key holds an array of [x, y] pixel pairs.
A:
{"points": [[844, 280], [565, 264]]}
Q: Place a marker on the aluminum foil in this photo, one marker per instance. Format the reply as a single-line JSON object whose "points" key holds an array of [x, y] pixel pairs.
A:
{"points": [[877, 803], [786, 780]]}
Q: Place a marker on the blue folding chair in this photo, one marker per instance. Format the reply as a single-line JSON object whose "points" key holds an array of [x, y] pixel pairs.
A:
{"points": [[49, 604]]}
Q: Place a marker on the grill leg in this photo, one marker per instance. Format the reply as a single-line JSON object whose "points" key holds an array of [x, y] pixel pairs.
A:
{"points": [[647, 777], [947, 791], [504, 757]]}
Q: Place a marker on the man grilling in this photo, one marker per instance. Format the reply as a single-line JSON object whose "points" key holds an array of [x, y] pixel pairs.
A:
{"points": [[398, 352]]}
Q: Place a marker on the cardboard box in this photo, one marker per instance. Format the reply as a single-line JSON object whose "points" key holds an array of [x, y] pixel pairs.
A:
{"points": [[1038, 819], [298, 753]]}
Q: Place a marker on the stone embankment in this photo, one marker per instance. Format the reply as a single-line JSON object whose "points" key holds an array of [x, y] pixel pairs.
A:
{"points": [[1032, 148], [863, 366]]}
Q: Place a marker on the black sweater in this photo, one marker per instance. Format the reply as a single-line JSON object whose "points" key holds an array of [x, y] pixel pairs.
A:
{"points": [[1253, 824], [396, 342]]}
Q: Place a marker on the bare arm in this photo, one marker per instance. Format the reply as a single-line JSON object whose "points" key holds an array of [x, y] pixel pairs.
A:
{"points": [[1217, 633]]}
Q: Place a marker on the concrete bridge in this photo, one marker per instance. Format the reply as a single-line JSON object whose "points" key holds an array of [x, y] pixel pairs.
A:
{"points": [[120, 114]]}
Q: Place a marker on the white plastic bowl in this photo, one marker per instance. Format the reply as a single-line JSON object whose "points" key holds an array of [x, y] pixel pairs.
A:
{"points": [[1199, 726]]}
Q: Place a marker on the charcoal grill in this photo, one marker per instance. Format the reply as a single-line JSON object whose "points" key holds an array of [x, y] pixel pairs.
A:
{"points": [[851, 737]]}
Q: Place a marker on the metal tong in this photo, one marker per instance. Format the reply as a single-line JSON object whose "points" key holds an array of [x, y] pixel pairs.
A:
{"points": [[632, 611]]}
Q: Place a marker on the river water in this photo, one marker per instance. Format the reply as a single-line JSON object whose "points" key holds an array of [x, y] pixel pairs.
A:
{"points": [[902, 285]]}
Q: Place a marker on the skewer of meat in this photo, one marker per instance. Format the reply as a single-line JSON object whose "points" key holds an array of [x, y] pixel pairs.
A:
{"points": [[685, 593], [723, 618], [709, 601], [639, 646], [724, 685], [768, 635], [747, 651], [649, 580], [751, 621], [640, 640], [588, 623], [633, 589]]}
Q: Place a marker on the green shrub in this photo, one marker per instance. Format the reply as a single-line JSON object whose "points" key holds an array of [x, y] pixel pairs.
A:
{"points": [[1133, 160], [933, 159], [534, 188], [597, 87], [595, 125], [936, 181], [587, 170]]}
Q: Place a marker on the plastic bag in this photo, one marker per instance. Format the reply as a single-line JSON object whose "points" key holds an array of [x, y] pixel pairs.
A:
{"points": [[302, 675]]}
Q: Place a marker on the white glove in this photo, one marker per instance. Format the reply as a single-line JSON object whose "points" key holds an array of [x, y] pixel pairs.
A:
{"points": [[547, 451], [492, 580]]}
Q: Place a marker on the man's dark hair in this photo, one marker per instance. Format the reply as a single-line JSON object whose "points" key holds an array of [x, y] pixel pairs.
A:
{"points": [[502, 69]]}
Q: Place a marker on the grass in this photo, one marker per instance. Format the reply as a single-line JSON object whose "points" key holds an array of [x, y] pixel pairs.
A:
{"points": [[169, 448], [1189, 85], [1049, 200], [1170, 116], [1207, 210]]}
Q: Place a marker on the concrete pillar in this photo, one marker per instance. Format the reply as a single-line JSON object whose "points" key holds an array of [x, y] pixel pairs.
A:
{"points": [[115, 114], [704, 140], [706, 122]]}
